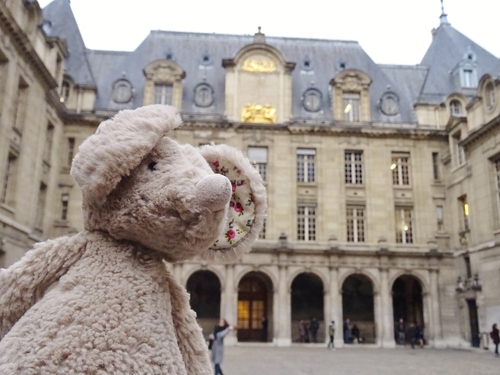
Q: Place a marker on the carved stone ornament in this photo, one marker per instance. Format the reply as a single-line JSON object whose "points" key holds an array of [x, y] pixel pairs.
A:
{"points": [[259, 66], [389, 104], [203, 95], [164, 74], [122, 91], [312, 100], [257, 113]]}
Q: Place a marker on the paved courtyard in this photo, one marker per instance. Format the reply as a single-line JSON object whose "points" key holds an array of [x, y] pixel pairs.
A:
{"points": [[317, 360]]}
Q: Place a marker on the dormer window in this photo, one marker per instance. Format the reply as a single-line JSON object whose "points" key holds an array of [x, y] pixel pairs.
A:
{"points": [[468, 78], [350, 102], [163, 83], [163, 94], [351, 99], [456, 108]]}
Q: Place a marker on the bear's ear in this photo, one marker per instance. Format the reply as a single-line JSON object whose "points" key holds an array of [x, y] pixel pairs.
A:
{"points": [[118, 146], [247, 208]]}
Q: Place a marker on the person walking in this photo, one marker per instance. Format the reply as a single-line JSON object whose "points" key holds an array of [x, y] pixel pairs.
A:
{"points": [[331, 333], [264, 324], [313, 328], [401, 331], [218, 334], [302, 331], [494, 334], [346, 330]]}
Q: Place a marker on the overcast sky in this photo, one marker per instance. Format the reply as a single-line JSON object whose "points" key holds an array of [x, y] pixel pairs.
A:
{"points": [[390, 31]]}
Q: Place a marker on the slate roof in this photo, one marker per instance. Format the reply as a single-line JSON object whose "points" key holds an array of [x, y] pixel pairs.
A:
{"points": [[63, 25], [429, 82]]}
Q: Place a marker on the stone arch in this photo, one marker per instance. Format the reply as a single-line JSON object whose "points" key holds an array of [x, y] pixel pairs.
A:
{"points": [[408, 305], [307, 302], [255, 307], [188, 273], [248, 269], [456, 98], [204, 288], [301, 270], [358, 308], [365, 272], [487, 90]]}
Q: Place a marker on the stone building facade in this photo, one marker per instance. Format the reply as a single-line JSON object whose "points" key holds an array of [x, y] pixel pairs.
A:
{"points": [[383, 181]]}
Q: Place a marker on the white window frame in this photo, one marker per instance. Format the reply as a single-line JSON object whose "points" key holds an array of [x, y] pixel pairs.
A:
{"points": [[163, 93], [306, 160], [353, 167], [356, 223], [306, 222], [404, 225], [351, 104], [456, 108], [258, 157], [400, 167], [458, 150]]}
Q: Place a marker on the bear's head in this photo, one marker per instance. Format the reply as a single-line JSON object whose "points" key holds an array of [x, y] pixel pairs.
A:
{"points": [[139, 185]]}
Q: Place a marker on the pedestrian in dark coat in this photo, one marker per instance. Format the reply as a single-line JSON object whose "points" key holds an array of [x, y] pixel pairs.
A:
{"points": [[218, 334], [494, 334]]}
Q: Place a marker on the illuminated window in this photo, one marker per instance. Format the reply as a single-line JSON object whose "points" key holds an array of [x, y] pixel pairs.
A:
{"points": [[306, 223], [350, 103], [400, 167], [353, 166], [355, 224], [464, 208], [163, 94], [404, 225], [305, 165], [258, 157]]}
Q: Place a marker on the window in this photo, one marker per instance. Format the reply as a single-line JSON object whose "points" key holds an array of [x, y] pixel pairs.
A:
{"points": [[464, 208], [64, 206], [20, 104], [65, 88], [435, 165], [458, 150], [49, 137], [9, 181], [163, 94], [40, 207], [497, 174], [258, 157], [404, 225], [489, 93], [468, 268], [262, 234], [351, 106], [456, 108], [306, 223], [355, 224], [71, 150], [439, 218], [468, 78], [353, 166], [400, 169], [305, 165]]}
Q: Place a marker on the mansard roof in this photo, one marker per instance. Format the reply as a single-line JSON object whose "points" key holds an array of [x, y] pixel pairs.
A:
{"points": [[449, 47], [63, 25]]}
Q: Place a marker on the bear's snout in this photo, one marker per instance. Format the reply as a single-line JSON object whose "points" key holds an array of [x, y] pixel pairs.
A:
{"points": [[214, 192]]}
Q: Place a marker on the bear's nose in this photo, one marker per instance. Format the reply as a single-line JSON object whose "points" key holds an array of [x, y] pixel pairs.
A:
{"points": [[214, 192]]}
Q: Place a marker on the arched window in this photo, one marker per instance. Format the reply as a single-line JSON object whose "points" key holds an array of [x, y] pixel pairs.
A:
{"points": [[489, 95]]}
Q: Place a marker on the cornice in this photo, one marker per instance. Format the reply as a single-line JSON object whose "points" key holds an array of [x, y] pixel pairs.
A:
{"points": [[482, 132], [23, 45]]}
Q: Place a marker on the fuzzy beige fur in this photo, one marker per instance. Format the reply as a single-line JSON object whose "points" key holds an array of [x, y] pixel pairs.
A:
{"points": [[102, 301]]}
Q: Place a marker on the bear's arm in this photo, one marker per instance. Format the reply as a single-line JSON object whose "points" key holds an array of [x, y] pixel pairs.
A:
{"points": [[189, 335], [26, 281]]}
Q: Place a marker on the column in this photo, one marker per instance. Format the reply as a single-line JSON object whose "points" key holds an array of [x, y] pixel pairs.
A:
{"points": [[335, 312], [230, 312], [436, 333], [283, 316], [387, 311]]}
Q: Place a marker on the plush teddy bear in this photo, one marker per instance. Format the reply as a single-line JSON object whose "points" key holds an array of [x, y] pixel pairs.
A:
{"points": [[102, 301]]}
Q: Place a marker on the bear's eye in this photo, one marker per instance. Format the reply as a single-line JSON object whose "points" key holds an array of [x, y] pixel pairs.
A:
{"points": [[152, 166]]}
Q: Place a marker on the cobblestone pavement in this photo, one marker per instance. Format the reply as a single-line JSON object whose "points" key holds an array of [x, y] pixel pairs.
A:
{"points": [[317, 360]]}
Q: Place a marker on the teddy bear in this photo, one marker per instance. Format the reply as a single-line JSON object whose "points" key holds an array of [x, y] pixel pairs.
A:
{"points": [[102, 301]]}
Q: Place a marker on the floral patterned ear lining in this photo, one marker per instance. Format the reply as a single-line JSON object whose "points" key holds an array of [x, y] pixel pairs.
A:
{"points": [[241, 211]]}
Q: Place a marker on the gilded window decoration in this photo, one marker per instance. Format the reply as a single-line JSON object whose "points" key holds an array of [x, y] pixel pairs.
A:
{"points": [[257, 113], [259, 66], [312, 100], [203, 95], [122, 91]]}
